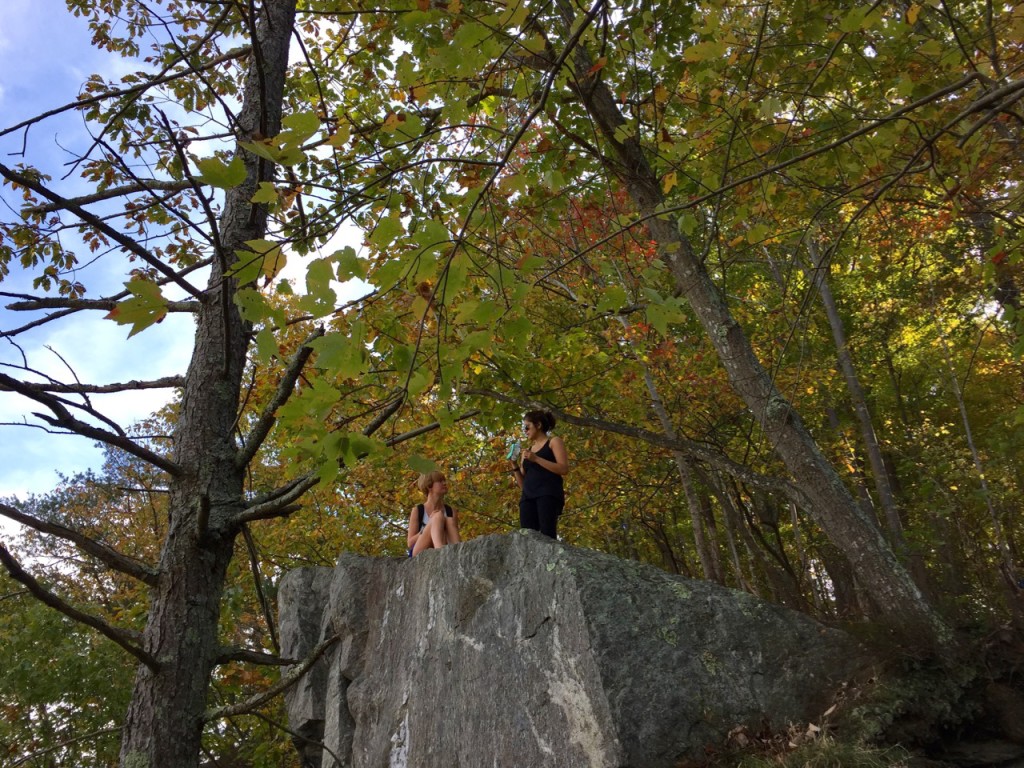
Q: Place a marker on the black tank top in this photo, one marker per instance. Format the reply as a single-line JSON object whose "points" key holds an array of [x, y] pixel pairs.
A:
{"points": [[539, 481]]}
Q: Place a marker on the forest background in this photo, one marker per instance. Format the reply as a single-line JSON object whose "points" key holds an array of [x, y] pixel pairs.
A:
{"points": [[762, 261]]}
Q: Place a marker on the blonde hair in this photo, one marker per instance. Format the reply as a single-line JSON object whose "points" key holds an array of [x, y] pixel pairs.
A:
{"points": [[424, 482]]}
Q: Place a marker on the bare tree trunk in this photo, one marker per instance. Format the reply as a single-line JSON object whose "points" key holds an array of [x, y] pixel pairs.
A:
{"points": [[708, 559], [1007, 568], [901, 604], [164, 723], [860, 482], [818, 274]]}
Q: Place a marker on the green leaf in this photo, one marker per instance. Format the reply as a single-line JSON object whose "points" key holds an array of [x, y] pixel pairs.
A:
{"points": [[706, 50], [613, 298], [300, 125], [419, 464], [757, 233], [267, 193], [341, 354], [388, 229], [349, 264], [252, 304], [265, 259], [455, 278], [213, 172], [266, 345], [431, 233], [247, 267], [146, 307], [356, 446], [419, 382], [264, 149], [854, 20], [387, 275], [478, 312]]}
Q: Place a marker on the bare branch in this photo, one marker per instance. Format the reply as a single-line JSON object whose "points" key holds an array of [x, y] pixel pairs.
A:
{"points": [[117, 297], [108, 194], [237, 53], [94, 221], [65, 420], [126, 639], [286, 681], [426, 428], [103, 553], [257, 578], [228, 655], [168, 382], [284, 390], [33, 305]]}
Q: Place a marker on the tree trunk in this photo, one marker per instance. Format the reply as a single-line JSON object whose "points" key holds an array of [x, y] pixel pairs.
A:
{"points": [[901, 604], [818, 274], [708, 563], [164, 723]]}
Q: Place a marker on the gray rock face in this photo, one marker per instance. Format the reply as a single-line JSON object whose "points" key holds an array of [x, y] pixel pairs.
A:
{"points": [[516, 650]]}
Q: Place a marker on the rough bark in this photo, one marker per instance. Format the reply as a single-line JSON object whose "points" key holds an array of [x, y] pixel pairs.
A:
{"points": [[901, 604], [164, 723]]}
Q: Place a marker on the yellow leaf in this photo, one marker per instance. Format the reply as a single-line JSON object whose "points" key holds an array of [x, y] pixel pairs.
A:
{"points": [[273, 263], [669, 181], [341, 136], [660, 94], [912, 13], [455, 6]]}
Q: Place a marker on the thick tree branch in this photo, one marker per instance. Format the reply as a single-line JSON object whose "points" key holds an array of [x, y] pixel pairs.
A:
{"points": [[248, 656], [77, 304], [284, 390], [124, 638], [103, 553], [286, 681], [64, 420], [168, 382]]}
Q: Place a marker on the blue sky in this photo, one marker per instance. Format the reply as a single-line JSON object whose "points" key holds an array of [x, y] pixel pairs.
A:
{"points": [[45, 55]]}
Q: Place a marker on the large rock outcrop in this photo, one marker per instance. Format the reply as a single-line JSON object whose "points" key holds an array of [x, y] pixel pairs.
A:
{"points": [[516, 650]]}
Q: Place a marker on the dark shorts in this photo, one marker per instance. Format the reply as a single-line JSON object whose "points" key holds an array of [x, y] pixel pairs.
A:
{"points": [[541, 514]]}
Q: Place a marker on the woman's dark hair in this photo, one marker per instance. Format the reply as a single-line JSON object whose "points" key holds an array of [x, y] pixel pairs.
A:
{"points": [[543, 419]]}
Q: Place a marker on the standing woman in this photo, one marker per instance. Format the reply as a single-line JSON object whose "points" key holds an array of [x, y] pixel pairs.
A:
{"points": [[539, 474], [433, 523]]}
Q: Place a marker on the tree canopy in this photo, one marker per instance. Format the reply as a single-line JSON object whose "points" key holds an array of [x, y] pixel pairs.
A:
{"points": [[762, 261]]}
